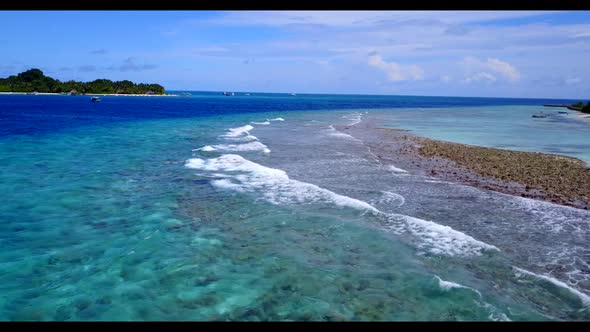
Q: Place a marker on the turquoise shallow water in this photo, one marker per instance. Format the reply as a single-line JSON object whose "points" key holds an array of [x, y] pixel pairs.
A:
{"points": [[510, 127], [108, 223]]}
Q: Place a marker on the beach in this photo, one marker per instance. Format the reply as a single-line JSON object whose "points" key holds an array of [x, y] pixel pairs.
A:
{"points": [[549, 177]]}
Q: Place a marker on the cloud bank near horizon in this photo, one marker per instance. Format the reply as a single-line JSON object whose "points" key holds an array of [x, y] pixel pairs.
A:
{"points": [[471, 53]]}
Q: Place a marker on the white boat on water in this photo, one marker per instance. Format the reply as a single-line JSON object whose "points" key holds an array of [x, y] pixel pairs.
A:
{"points": [[95, 99]]}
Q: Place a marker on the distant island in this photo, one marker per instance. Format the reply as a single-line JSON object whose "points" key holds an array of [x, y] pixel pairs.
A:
{"points": [[580, 107], [574, 107], [33, 80]]}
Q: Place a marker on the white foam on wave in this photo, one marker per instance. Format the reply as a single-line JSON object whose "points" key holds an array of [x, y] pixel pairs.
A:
{"points": [[261, 123], [252, 146], [276, 187], [556, 216], [238, 131], [246, 138], [334, 132], [437, 181], [277, 119], [226, 184], [437, 239], [206, 148], [241, 134], [495, 315], [397, 170], [391, 197], [584, 298], [448, 285], [354, 117]]}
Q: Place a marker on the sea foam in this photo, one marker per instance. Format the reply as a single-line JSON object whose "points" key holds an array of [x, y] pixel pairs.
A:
{"points": [[396, 169], [241, 134], [334, 132], [245, 138], [391, 197], [206, 148], [558, 218], [449, 285], [495, 314], [252, 146], [275, 186], [585, 299], [435, 238], [354, 117], [235, 132]]}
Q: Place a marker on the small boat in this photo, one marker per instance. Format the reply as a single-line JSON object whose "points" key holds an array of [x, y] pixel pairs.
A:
{"points": [[95, 99], [228, 94], [293, 94], [539, 115]]}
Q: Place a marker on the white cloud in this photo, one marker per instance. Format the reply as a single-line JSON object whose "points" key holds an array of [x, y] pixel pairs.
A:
{"points": [[572, 80], [399, 35], [361, 18], [482, 76], [504, 68], [582, 34], [395, 71], [478, 69], [434, 41]]}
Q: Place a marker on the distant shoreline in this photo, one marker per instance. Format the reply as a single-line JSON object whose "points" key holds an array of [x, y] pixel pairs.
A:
{"points": [[569, 107], [86, 94]]}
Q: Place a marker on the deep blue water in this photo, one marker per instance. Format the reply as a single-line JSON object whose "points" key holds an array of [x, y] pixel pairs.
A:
{"points": [[36, 114]]}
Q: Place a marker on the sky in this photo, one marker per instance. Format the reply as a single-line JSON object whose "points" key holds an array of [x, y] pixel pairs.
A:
{"points": [[525, 54]]}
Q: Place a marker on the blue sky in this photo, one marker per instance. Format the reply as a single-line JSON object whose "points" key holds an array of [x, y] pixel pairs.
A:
{"points": [[446, 53]]}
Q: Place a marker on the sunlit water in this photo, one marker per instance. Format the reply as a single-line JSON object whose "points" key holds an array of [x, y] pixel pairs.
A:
{"points": [[273, 220]]}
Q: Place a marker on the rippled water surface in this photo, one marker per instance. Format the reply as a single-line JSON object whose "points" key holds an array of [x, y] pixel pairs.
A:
{"points": [[233, 212]]}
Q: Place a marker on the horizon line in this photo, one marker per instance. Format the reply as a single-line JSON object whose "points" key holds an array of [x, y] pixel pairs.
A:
{"points": [[380, 95]]}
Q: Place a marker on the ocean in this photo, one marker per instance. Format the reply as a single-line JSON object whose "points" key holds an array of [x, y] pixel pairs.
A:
{"points": [[254, 207]]}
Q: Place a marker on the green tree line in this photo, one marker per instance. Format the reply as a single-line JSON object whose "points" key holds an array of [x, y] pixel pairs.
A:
{"points": [[33, 80], [585, 109]]}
